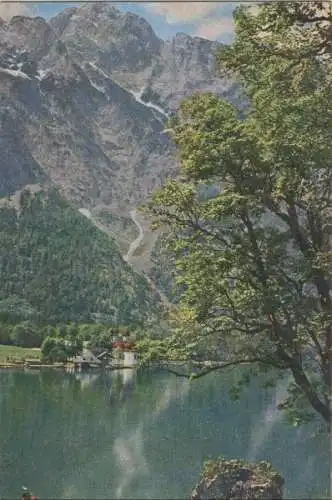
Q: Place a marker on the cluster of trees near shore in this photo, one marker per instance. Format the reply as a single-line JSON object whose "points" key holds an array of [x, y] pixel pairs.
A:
{"points": [[29, 334], [255, 258]]}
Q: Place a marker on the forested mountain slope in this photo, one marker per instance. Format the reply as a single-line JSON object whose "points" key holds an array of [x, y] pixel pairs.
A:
{"points": [[64, 267]]}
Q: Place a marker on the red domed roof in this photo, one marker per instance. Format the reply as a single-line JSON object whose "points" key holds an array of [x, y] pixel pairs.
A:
{"points": [[124, 345]]}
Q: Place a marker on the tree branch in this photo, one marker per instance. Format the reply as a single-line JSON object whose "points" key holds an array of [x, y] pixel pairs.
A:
{"points": [[223, 366]]}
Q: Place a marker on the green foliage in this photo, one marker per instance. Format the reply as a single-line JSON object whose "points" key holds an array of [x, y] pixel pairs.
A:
{"points": [[26, 335], [47, 346], [58, 354], [65, 341], [163, 269], [99, 336], [14, 309], [288, 32], [55, 349], [5, 337], [121, 228], [56, 266], [251, 210], [102, 342], [261, 471], [296, 407]]}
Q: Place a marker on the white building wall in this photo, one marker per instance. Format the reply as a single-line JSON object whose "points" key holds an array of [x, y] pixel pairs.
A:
{"points": [[130, 358]]}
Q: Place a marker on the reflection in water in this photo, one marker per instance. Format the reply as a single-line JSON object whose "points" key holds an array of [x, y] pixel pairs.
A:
{"points": [[267, 421], [86, 379], [142, 435], [129, 450], [173, 389], [127, 375], [129, 455], [122, 383]]}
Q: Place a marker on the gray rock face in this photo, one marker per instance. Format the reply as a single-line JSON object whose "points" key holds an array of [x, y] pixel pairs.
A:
{"points": [[33, 35], [235, 479], [88, 95], [128, 49], [187, 64], [122, 44], [23, 167]]}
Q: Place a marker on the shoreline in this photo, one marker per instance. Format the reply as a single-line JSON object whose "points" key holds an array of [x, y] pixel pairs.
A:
{"points": [[68, 366], [65, 366], [24, 366]]}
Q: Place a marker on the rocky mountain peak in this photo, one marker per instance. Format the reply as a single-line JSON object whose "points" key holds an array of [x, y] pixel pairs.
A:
{"points": [[31, 34], [26, 21], [99, 10], [193, 48], [60, 22], [93, 88], [97, 19], [184, 40], [102, 34], [181, 38]]}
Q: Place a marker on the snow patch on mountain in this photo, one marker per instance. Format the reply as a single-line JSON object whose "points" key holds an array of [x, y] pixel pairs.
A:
{"points": [[86, 212], [138, 97], [41, 73], [16, 73], [99, 88], [105, 75]]}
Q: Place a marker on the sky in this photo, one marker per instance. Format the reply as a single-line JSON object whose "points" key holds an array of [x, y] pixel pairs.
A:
{"points": [[206, 19]]}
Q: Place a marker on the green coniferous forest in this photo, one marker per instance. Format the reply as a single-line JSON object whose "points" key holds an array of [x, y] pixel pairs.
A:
{"points": [[56, 266]]}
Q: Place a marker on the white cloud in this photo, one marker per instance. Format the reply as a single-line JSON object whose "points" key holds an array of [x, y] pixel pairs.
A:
{"points": [[183, 12], [215, 28], [206, 19]]}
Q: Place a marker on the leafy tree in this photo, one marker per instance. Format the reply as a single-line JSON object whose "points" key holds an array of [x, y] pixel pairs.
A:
{"points": [[5, 334], [100, 343], [74, 347], [47, 346], [293, 31], [49, 331], [250, 213], [14, 309], [58, 349], [72, 332], [62, 330], [26, 334], [59, 353]]}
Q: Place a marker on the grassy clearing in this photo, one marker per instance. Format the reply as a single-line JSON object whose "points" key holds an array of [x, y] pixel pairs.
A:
{"points": [[18, 353]]}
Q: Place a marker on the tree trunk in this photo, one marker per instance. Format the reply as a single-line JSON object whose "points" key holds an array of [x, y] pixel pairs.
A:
{"points": [[318, 405]]}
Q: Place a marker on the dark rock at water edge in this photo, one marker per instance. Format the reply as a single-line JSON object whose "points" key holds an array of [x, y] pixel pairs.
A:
{"points": [[240, 480]]}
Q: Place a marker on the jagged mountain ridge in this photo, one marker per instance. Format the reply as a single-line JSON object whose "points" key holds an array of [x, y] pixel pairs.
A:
{"points": [[78, 101]]}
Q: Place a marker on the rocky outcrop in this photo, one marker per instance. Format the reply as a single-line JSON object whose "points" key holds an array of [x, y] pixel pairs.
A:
{"points": [[238, 480]]}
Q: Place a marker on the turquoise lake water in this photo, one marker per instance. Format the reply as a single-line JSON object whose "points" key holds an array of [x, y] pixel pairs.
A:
{"points": [[125, 435]]}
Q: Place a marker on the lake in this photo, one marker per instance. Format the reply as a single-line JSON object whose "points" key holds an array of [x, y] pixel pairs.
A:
{"points": [[145, 435]]}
